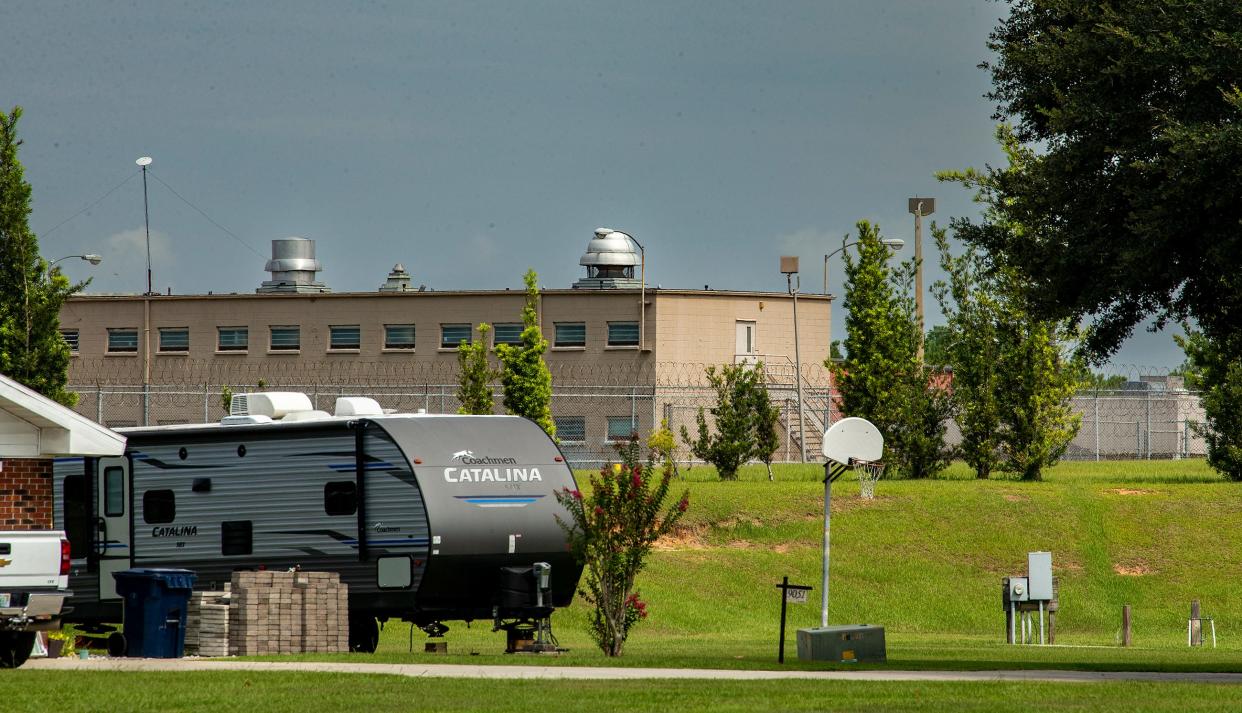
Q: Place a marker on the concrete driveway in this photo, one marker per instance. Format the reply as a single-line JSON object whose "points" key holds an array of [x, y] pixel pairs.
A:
{"points": [[607, 673]]}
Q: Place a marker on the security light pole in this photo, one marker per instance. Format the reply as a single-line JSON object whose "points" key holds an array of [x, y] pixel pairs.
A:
{"points": [[146, 215], [146, 303], [92, 258], [920, 207], [789, 266]]}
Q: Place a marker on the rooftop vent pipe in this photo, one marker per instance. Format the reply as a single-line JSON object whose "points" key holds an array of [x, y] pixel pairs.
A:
{"points": [[293, 267]]}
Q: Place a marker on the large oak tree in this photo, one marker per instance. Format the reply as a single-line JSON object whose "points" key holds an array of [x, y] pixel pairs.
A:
{"points": [[1129, 195]]}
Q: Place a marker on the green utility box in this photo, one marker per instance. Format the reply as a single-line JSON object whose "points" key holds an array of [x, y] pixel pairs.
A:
{"points": [[852, 643]]}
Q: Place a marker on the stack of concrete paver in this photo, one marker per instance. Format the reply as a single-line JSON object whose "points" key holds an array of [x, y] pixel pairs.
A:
{"points": [[287, 612], [207, 624]]}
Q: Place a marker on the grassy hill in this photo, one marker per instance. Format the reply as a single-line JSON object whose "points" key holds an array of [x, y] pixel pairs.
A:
{"points": [[925, 559]]}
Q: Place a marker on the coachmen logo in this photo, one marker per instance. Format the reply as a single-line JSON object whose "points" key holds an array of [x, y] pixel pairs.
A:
{"points": [[454, 474]]}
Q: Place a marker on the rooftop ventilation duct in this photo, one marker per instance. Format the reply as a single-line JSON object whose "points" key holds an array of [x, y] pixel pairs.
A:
{"points": [[610, 259], [293, 267], [398, 280]]}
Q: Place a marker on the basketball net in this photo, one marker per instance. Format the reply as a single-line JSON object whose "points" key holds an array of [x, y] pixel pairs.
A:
{"points": [[868, 472]]}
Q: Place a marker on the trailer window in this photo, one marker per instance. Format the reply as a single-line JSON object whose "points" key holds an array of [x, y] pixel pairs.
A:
{"points": [[114, 491], [159, 506], [237, 537], [340, 497], [77, 520]]}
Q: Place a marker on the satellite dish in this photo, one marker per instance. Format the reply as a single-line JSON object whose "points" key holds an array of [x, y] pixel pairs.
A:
{"points": [[852, 439], [144, 161]]}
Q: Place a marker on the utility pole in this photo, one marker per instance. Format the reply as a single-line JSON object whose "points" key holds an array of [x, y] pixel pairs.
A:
{"points": [[789, 266], [920, 207]]}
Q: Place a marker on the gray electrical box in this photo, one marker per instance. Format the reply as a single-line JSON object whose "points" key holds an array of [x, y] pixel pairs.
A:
{"points": [[853, 643], [1039, 571], [1019, 589]]}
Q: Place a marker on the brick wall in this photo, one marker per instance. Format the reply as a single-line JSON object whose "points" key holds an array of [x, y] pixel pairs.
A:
{"points": [[25, 494]]}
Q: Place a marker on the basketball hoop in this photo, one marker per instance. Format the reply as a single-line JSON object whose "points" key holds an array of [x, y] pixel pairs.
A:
{"points": [[868, 472]]}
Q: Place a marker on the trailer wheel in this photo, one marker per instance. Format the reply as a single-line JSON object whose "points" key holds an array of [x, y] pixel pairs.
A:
{"points": [[363, 633], [15, 648]]}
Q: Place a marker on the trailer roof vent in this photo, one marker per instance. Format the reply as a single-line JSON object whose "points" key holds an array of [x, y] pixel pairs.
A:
{"points": [[610, 259], [312, 415], [244, 421], [358, 406], [273, 404]]}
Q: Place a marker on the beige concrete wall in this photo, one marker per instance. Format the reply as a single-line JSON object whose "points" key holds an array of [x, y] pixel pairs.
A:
{"points": [[701, 328], [681, 326]]}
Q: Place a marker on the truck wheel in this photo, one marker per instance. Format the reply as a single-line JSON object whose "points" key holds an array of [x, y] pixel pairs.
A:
{"points": [[363, 633], [15, 647]]}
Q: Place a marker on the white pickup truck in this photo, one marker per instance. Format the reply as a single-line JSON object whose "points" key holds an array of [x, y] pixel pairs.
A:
{"points": [[34, 583]]}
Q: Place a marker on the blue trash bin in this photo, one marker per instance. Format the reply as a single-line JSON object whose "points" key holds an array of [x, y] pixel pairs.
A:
{"points": [[155, 608]]}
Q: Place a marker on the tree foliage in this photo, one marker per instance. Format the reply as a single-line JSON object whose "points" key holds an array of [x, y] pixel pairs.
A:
{"points": [[1129, 207], [1219, 375], [936, 346], [611, 531], [475, 375], [744, 419], [1012, 377], [523, 373], [880, 378], [32, 350]]}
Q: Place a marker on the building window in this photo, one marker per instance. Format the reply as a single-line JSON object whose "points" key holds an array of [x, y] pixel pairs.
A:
{"points": [[570, 334], [71, 338], [159, 506], [570, 429], [398, 336], [508, 333], [344, 337], [122, 341], [286, 339], [452, 335], [174, 339], [623, 334], [340, 497], [621, 428], [232, 339]]}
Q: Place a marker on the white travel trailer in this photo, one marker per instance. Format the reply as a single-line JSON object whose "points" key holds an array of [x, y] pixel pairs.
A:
{"points": [[426, 518]]}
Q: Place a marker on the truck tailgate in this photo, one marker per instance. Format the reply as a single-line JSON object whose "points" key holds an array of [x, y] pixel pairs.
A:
{"points": [[29, 560]]}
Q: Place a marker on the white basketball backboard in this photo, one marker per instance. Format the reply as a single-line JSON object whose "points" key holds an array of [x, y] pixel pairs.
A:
{"points": [[853, 439]]}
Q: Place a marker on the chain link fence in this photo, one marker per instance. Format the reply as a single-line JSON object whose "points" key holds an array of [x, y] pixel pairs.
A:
{"points": [[595, 409]]}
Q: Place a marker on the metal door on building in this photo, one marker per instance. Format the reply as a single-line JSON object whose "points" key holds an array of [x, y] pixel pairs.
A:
{"points": [[112, 533], [746, 350]]}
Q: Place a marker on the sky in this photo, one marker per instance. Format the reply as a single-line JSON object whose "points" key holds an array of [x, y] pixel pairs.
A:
{"points": [[471, 140]]}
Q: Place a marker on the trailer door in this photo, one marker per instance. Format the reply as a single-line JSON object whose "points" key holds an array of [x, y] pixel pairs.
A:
{"points": [[112, 535]]}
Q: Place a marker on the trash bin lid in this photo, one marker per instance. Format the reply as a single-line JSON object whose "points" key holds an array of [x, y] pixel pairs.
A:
{"points": [[170, 578]]}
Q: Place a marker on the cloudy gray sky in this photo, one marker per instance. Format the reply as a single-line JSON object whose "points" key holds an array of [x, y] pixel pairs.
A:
{"points": [[469, 141]]}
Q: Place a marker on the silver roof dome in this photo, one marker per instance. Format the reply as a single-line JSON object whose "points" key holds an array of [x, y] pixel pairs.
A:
{"points": [[611, 248]]}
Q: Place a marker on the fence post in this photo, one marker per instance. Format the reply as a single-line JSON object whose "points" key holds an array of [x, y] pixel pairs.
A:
{"points": [[146, 404], [1097, 426], [1148, 439], [206, 399], [788, 431], [98, 404], [633, 409], [1138, 440]]}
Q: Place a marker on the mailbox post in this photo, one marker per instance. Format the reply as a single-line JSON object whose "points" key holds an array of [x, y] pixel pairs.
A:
{"points": [[790, 594]]}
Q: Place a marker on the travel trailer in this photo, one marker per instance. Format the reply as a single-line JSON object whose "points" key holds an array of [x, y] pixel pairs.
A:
{"points": [[426, 518]]}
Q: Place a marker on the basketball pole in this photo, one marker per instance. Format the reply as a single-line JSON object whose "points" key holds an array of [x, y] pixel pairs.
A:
{"points": [[823, 592], [831, 473]]}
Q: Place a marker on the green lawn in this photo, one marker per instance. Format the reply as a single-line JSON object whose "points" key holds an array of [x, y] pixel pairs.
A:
{"points": [[245, 692], [925, 559]]}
